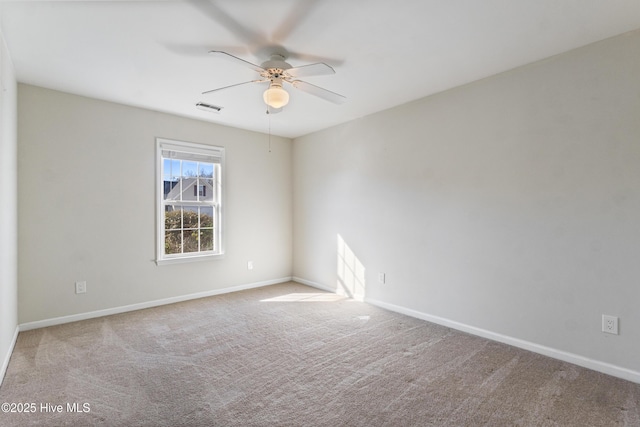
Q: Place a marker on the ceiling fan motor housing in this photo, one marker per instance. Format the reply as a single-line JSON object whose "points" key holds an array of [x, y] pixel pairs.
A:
{"points": [[276, 61], [275, 67]]}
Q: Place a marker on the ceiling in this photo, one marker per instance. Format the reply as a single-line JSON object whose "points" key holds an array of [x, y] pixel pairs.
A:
{"points": [[154, 54]]}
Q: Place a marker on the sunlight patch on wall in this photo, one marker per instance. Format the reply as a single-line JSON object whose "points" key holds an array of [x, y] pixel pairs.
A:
{"points": [[350, 272]]}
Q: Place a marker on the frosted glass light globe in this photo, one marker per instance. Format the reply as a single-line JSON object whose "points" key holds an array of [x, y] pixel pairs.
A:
{"points": [[276, 97]]}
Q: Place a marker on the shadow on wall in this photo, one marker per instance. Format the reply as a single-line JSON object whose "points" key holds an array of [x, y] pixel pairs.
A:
{"points": [[350, 272]]}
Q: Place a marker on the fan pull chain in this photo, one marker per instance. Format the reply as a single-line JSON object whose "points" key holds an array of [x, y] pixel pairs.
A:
{"points": [[269, 131]]}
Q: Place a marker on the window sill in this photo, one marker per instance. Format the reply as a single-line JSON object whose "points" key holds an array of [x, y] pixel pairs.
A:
{"points": [[195, 258]]}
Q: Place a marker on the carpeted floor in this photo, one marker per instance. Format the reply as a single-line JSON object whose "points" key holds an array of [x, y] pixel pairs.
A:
{"points": [[290, 355]]}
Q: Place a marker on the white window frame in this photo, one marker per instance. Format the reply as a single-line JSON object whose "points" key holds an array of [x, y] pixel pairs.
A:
{"points": [[175, 149]]}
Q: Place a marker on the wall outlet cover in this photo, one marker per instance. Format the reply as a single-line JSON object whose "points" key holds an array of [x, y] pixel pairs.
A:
{"points": [[81, 287], [610, 324]]}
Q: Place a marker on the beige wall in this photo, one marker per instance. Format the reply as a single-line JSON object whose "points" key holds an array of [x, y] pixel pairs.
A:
{"points": [[8, 208], [510, 205], [87, 206]]}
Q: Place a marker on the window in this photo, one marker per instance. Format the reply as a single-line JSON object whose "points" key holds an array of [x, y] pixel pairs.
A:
{"points": [[189, 201]]}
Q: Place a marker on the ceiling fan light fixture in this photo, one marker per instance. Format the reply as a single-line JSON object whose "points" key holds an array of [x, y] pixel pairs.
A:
{"points": [[275, 96]]}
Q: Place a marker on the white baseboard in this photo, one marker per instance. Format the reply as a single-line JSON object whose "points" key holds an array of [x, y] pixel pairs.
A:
{"points": [[576, 359], [139, 306], [5, 363], [313, 284]]}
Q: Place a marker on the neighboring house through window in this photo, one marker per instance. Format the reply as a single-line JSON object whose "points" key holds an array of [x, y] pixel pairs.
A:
{"points": [[189, 200]]}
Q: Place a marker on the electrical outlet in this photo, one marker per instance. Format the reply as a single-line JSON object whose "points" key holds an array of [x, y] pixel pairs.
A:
{"points": [[249, 265], [81, 287], [381, 278], [610, 324]]}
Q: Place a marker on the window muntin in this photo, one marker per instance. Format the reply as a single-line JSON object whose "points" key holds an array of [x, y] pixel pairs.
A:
{"points": [[190, 200]]}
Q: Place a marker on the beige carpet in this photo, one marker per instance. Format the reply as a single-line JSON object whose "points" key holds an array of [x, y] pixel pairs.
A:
{"points": [[289, 355]]}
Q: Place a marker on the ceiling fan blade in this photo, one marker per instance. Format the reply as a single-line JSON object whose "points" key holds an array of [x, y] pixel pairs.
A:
{"points": [[226, 55], [298, 13], [237, 84], [317, 69], [325, 94], [306, 57], [218, 15], [200, 51]]}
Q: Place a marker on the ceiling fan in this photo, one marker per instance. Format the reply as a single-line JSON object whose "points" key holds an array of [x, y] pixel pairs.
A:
{"points": [[276, 71]]}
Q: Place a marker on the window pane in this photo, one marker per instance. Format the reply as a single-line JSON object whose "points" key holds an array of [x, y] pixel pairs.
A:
{"points": [[206, 216], [190, 217], [173, 242], [166, 169], [172, 218], [171, 190], [206, 240], [207, 183], [190, 241], [171, 179], [171, 169], [189, 169], [206, 170], [189, 189]]}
